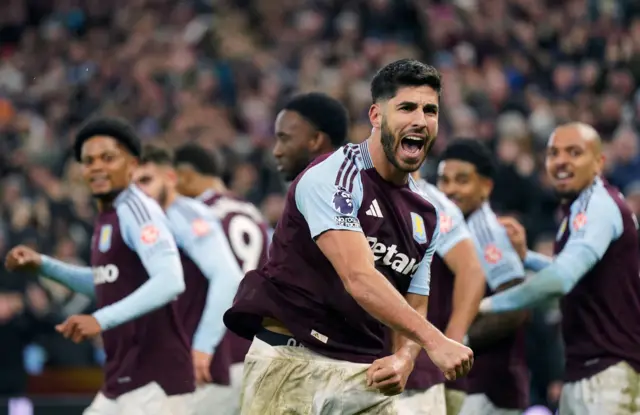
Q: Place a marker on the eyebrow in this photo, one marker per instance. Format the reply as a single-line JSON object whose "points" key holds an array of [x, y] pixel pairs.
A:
{"points": [[430, 107]]}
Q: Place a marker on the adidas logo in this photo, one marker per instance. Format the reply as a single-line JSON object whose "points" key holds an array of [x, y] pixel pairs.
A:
{"points": [[374, 210]]}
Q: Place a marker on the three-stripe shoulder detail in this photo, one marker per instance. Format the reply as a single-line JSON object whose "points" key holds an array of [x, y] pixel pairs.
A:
{"points": [[349, 168], [136, 205]]}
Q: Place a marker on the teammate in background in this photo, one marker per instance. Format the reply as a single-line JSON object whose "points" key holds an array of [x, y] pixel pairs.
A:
{"points": [[595, 271], [198, 172], [335, 273], [308, 126], [135, 274], [199, 176], [211, 271], [457, 286], [499, 382]]}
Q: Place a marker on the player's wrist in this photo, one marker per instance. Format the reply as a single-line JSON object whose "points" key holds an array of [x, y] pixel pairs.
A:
{"points": [[432, 339], [43, 262]]}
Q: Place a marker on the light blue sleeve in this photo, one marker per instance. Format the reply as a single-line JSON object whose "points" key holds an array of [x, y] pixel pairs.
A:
{"points": [[535, 261], [590, 236], [325, 205], [270, 233], [453, 229], [202, 238], [421, 280], [145, 230], [74, 277], [500, 261]]}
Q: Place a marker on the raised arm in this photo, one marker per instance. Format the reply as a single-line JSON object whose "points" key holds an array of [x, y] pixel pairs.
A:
{"points": [[589, 239], [74, 277]]}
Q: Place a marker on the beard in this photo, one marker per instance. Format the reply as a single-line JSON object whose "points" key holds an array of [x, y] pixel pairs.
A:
{"points": [[390, 147], [107, 197], [566, 195], [300, 163], [163, 196], [389, 144]]}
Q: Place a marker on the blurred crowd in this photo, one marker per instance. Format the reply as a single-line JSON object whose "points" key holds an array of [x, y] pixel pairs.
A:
{"points": [[217, 71]]}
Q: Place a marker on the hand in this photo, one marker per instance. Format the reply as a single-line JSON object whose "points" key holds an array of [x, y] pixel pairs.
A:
{"points": [[389, 375], [517, 235], [452, 358], [22, 258], [79, 328], [201, 363]]}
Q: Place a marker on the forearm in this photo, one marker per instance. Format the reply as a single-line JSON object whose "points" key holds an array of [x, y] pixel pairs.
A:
{"points": [[380, 299], [211, 328], [554, 281], [535, 261], [74, 277], [468, 291], [402, 345], [164, 284]]}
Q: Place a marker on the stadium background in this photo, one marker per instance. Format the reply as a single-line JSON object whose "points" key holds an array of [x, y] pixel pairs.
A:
{"points": [[216, 72]]}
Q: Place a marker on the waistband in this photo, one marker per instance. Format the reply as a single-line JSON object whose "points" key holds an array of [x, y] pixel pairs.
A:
{"points": [[277, 339]]}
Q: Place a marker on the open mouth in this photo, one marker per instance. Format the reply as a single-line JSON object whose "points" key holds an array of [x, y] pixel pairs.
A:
{"points": [[563, 176], [412, 144], [99, 180]]}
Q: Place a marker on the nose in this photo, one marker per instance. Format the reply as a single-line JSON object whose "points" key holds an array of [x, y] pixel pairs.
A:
{"points": [[419, 121], [560, 160], [277, 150], [447, 189], [96, 166]]}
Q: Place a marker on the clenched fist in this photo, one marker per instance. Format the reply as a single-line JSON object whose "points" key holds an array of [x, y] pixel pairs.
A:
{"points": [[22, 258], [389, 375], [452, 358]]}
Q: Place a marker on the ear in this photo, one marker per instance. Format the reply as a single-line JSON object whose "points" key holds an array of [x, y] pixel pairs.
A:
{"points": [[601, 160], [487, 187], [132, 165], [318, 143], [375, 115], [171, 176]]}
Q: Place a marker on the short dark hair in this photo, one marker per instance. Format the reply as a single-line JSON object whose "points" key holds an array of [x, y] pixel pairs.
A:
{"points": [[200, 159], [324, 113], [403, 73], [474, 152], [156, 154], [116, 128]]}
